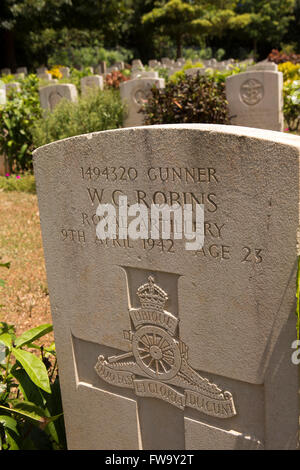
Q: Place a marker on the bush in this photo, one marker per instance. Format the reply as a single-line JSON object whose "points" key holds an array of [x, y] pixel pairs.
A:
{"points": [[30, 401], [281, 57], [22, 183], [114, 79], [195, 99], [291, 106], [16, 120], [95, 112], [88, 56], [290, 71]]}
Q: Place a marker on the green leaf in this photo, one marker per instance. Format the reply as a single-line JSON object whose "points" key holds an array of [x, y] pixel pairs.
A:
{"points": [[26, 409], [6, 339], [9, 422], [2, 283], [34, 368], [33, 334], [29, 390]]}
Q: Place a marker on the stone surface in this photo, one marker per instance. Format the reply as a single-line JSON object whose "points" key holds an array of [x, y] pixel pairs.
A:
{"points": [[22, 70], [5, 71], [51, 95], [195, 71], [255, 99], [65, 71], [91, 82], [2, 93], [221, 317], [134, 94], [265, 65], [143, 74]]}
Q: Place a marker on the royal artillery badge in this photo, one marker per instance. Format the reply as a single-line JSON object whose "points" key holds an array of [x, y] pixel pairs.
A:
{"points": [[157, 365]]}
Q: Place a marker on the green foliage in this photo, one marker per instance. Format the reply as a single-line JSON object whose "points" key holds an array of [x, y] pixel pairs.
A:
{"points": [[16, 119], [94, 112], [194, 99], [180, 75], [30, 402], [290, 71], [291, 104], [88, 56], [21, 183], [267, 20]]}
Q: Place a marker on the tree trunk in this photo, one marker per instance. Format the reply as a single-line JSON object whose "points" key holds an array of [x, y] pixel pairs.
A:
{"points": [[179, 47], [9, 49]]}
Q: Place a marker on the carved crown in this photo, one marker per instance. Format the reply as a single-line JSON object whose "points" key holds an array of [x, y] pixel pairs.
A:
{"points": [[152, 296]]}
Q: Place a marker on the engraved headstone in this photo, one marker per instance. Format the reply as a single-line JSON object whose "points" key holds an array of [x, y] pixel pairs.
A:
{"points": [[134, 94], [51, 95], [255, 99], [160, 347], [91, 82]]}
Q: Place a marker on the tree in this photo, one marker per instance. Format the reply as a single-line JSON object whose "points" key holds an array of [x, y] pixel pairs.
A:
{"points": [[21, 16], [180, 19], [268, 21]]}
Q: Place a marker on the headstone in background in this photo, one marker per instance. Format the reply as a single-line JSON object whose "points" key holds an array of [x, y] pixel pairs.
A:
{"points": [[153, 63], [65, 71], [136, 65], [41, 70], [2, 93], [265, 65], [144, 74], [255, 99], [22, 70], [45, 76], [91, 82], [134, 94], [5, 71], [160, 347], [194, 71], [51, 95]]}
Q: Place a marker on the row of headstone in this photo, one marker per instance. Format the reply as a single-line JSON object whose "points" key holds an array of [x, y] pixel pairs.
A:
{"points": [[21, 72], [51, 95], [160, 347]]}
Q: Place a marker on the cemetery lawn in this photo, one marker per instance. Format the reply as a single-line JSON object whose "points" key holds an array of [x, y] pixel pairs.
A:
{"points": [[24, 299]]}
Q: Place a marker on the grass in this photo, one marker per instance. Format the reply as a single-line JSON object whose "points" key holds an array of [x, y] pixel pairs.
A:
{"points": [[24, 299], [21, 183]]}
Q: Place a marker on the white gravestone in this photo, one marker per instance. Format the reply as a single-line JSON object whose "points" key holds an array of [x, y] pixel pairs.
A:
{"points": [[160, 347], [91, 83], [51, 95], [255, 99], [134, 94]]}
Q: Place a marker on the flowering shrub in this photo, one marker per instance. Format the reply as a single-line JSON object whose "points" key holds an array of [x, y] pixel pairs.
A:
{"points": [[290, 71], [55, 72], [114, 79], [281, 57]]}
